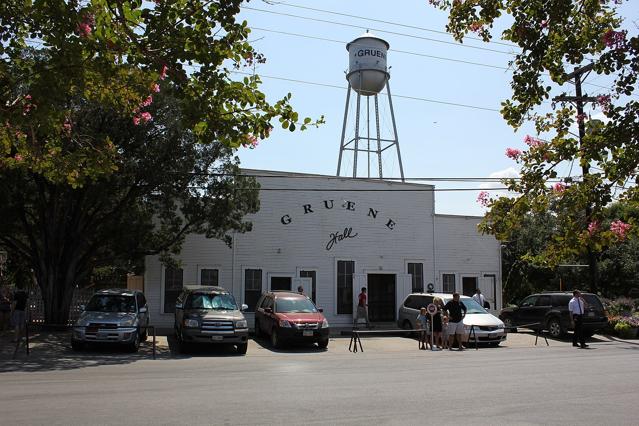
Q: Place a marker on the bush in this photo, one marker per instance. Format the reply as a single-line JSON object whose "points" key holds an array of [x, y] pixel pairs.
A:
{"points": [[621, 306], [625, 330]]}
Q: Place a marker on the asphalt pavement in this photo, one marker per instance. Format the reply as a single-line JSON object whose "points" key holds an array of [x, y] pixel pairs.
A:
{"points": [[391, 382]]}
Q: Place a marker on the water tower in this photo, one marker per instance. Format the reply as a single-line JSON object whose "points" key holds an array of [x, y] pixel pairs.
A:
{"points": [[367, 76]]}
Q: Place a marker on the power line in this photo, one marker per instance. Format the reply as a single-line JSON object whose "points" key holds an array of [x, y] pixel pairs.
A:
{"points": [[387, 22], [379, 30], [425, 189]]}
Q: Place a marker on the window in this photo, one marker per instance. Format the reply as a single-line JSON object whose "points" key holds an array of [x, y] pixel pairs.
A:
{"points": [[529, 301], [448, 285], [209, 277], [469, 285], [543, 301], [560, 300], [418, 302], [173, 280], [281, 283], [313, 276], [345, 269], [252, 287], [416, 270]]}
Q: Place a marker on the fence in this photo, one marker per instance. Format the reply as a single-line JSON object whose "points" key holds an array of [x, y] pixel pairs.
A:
{"points": [[81, 297]]}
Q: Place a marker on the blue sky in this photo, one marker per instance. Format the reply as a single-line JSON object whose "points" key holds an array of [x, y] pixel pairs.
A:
{"points": [[436, 140]]}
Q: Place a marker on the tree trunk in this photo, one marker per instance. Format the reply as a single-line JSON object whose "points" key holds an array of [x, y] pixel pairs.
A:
{"points": [[57, 294]]}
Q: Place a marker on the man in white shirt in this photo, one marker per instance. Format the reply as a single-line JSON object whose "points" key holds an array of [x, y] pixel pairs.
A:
{"points": [[479, 298], [577, 308]]}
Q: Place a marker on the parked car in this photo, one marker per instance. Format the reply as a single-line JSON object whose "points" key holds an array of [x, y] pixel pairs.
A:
{"points": [[112, 316], [550, 311], [210, 315], [487, 327], [285, 316]]}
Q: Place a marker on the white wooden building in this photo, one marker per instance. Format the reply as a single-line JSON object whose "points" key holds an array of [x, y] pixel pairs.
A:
{"points": [[333, 236]]}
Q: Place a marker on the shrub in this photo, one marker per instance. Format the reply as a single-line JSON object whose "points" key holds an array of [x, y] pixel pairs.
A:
{"points": [[625, 330]]}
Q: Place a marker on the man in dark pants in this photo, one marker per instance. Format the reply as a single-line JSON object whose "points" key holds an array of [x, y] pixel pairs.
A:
{"points": [[577, 307]]}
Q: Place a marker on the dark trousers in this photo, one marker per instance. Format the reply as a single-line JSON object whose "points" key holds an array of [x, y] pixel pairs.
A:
{"points": [[578, 333]]}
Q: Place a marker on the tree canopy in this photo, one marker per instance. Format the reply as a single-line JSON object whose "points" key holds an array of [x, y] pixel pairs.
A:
{"points": [[119, 122], [555, 43]]}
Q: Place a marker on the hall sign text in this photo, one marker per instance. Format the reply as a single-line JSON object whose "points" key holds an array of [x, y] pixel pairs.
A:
{"points": [[329, 205]]}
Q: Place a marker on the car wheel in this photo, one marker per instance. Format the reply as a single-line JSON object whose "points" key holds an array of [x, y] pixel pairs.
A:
{"points": [[275, 340], [77, 346], [323, 343], [135, 345], [494, 344], [554, 327], [508, 322], [406, 325], [242, 348], [258, 332]]}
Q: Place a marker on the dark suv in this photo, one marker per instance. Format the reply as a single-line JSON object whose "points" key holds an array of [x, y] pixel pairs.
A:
{"points": [[210, 315], [287, 316], [550, 311]]}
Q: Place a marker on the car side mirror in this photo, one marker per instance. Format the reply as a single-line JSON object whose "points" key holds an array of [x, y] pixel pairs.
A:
{"points": [[143, 310], [268, 310], [178, 306], [244, 307], [320, 310]]}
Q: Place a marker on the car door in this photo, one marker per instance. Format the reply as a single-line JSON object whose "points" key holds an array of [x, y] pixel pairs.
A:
{"points": [[269, 314], [525, 314], [543, 305]]}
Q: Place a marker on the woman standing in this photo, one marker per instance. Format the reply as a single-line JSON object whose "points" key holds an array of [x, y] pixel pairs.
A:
{"points": [[437, 321]]}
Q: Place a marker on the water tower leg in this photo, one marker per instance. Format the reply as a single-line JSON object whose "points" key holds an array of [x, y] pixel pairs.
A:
{"points": [[379, 141], [341, 146], [399, 156], [368, 134], [359, 100]]}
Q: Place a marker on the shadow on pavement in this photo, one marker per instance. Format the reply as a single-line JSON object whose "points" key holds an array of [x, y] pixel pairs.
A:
{"points": [[200, 349], [52, 351], [292, 347]]}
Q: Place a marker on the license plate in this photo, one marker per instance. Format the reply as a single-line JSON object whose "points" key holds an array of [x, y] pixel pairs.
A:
{"points": [[591, 314], [92, 330], [102, 336], [217, 338], [306, 333]]}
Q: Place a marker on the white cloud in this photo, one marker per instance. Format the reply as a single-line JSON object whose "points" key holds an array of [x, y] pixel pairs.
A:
{"points": [[510, 172]]}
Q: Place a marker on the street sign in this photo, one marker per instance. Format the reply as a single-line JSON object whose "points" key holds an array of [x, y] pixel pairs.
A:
{"points": [[431, 309]]}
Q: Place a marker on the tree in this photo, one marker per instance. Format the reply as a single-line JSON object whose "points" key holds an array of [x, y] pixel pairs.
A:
{"points": [[559, 41], [119, 120]]}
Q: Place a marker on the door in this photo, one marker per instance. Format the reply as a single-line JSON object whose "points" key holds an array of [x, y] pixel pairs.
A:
{"points": [[469, 285], [381, 297], [404, 288], [525, 314], [488, 286], [359, 282], [306, 284]]}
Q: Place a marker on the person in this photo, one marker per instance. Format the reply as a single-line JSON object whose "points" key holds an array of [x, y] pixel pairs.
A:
{"points": [[423, 325], [445, 344], [362, 308], [5, 309], [19, 316], [437, 321], [577, 307], [300, 289], [456, 311], [479, 298]]}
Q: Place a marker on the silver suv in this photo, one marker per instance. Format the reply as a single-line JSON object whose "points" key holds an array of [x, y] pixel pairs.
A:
{"points": [[210, 315], [113, 316]]}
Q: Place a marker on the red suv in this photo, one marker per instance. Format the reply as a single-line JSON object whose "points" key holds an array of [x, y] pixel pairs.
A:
{"points": [[287, 316]]}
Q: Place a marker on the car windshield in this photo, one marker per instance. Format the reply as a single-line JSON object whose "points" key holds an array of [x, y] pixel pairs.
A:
{"points": [[222, 302], [111, 303], [472, 307], [297, 304]]}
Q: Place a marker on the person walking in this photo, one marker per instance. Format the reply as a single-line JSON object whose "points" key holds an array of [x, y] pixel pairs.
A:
{"points": [[362, 308], [456, 312], [577, 307], [19, 315], [479, 298], [437, 322]]}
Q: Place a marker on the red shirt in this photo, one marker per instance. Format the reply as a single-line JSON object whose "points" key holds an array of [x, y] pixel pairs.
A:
{"points": [[362, 299]]}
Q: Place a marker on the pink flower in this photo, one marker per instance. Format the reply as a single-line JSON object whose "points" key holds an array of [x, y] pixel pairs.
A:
{"points": [[533, 142], [136, 120], [593, 227], [513, 153], [559, 187], [604, 102], [85, 27], [620, 228], [615, 39], [18, 157], [163, 72], [146, 117], [581, 117], [483, 198], [148, 101], [544, 24], [251, 141], [67, 126], [475, 27], [155, 88]]}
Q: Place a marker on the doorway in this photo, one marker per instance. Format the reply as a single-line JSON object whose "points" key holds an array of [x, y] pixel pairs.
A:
{"points": [[381, 297]]}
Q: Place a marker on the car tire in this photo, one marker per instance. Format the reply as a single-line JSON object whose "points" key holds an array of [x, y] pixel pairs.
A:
{"points": [[554, 328], [275, 340], [258, 332], [323, 343], [77, 346], [242, 348], [494, 344], [508, 322], [135, 345], [406, 325]]}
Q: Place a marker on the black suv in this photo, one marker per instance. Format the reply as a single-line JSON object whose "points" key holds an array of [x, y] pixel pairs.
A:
{"points": [[210, 315], [550, 310]]}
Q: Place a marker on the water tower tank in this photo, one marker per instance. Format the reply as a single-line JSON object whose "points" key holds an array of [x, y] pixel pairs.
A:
{"points": [[367, 72]]}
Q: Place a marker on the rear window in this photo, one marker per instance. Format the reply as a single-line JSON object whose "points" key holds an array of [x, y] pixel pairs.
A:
{"points": [[561, 300], [593, 301]]}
